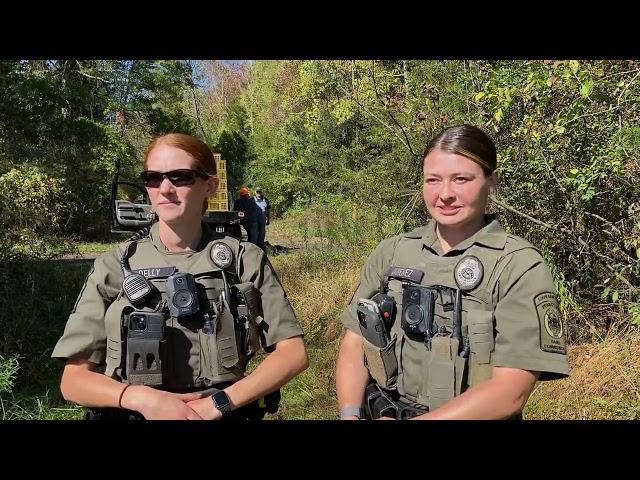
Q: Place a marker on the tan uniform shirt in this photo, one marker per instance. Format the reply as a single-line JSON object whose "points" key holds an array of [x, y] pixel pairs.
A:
{"points": [[85, 334], [516, 295]]}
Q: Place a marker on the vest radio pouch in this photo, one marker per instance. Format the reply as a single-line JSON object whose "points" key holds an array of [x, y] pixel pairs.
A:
{"points": [[382, 363], [443, 342], [481, 343], [442, 370], [145, 339], [379, 349]]}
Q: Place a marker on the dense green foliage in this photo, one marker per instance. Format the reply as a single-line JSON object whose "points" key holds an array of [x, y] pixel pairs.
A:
{"points": [[63, 125], [351, 133]]}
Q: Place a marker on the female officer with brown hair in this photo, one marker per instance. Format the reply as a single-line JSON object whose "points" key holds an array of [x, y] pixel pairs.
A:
{"points": [[165, 326], [466, 314]]}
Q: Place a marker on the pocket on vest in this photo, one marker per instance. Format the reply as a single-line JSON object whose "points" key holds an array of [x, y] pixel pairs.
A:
{"points": [[115, 342], [208, 361], [226, 343], [446, 373], [382, 363], [481, 343]]}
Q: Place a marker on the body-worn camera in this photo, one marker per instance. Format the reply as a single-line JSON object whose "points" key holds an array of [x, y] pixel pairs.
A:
{"points": [[182, 296], [145, 333], [418, 305]]}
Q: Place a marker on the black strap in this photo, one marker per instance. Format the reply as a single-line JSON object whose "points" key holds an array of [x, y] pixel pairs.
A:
{"points": [[114, 414], [381, 403]]}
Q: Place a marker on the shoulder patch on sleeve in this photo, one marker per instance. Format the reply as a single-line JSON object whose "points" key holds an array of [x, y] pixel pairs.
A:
{"points": [[551, 327]]}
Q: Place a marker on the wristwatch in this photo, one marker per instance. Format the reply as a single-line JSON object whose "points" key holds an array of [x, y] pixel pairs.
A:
{"points": [[221, 401]]}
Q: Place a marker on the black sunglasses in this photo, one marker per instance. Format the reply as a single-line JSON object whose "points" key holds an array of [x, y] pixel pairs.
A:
{"points": [[179, 178]]}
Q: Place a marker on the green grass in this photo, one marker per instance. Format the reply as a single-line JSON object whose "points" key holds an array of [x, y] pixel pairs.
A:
{"points": [[39, 406], [311, 395], [604, 382], [41, 295], [95, 247], [8, 371]]}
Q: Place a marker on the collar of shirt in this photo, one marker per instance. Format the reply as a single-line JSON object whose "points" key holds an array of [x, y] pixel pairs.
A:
{"points": [[491, 235], [154, 234]]}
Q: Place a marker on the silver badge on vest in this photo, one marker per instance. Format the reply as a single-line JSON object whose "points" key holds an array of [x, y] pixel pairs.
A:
{"points": [[221, 255], [468, 273]]}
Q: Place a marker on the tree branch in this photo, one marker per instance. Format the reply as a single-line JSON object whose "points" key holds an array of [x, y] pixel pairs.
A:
{"points": [[84, 74], [619, 73], [518, 212], [192, 84], [366, 110], [567, 231], [627, 87], [413, 202], [386, 107]]}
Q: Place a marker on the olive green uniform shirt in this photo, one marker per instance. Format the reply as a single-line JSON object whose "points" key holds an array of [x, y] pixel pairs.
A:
{"points": [[85, 335], [517, 292]]}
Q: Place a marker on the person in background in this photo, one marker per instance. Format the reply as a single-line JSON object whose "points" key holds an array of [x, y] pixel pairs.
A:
{"points": [[252, 214], [263, 219]]}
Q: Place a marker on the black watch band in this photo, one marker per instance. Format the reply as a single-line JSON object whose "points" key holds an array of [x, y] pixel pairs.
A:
{"points": [[221, 401]]}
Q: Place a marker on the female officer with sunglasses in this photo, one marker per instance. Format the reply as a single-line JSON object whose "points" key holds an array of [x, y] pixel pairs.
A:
{"points": [[164, 326]]}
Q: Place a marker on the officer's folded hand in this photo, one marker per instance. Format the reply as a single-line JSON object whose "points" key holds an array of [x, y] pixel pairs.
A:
{"points": [[159, 405], [205, 408]]}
